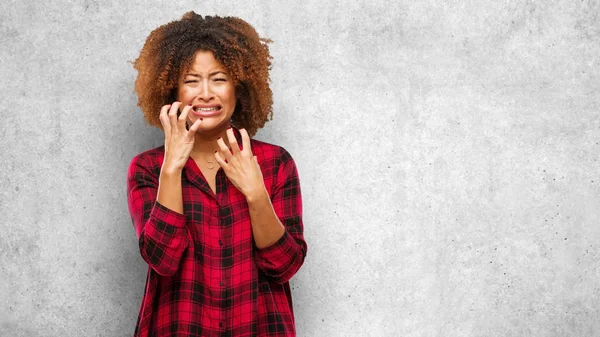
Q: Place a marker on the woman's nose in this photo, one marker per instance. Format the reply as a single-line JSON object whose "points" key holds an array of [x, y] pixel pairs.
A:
{"points": [[205, 91]]}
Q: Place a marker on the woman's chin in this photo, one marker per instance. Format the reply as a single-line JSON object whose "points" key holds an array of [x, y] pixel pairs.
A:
{"points": [[210, 125]]}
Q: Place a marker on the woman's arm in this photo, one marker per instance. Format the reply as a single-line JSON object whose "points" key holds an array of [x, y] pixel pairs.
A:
{"points": [[283, 258], [156, 203], [161, 230], [266, 227], [276, 222], [169, 190]]}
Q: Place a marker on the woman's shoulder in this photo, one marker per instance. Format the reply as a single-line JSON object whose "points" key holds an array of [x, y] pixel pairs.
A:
{"points": [[149, 158], [268, 151]]}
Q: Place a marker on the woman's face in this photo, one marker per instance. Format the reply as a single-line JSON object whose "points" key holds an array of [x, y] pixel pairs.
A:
{"points": [[208, 87]]}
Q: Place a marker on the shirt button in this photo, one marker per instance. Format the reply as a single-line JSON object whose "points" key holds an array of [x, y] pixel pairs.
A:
{"points": [[221, 283], [220, 324], [220, 243]]}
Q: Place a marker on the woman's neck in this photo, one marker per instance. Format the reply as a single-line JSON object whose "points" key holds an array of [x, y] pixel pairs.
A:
{"points": [[206, 144]]}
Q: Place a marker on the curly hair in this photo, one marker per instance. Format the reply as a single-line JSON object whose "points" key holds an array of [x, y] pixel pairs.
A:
{"points": [[169, 51]]}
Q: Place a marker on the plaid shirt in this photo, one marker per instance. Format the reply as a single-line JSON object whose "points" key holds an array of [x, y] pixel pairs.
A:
{"points": [[206, 277]]}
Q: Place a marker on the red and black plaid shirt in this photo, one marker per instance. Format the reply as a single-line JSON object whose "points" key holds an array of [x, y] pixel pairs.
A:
{"points": [[206, 277]]}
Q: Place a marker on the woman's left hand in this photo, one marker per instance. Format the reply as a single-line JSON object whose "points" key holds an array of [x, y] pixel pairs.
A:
{"points": [[240, 166]]}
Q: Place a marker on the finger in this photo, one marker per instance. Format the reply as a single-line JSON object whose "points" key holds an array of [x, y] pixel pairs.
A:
{"points": [[235, 148], [194, 127], [173, 113], [220, 160], [184, 113], [246, 141], [164, 118], [225, 153]]}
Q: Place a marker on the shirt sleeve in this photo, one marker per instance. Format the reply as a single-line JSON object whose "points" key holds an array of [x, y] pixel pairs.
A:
{"points": [[282, 260], [161, 231]]}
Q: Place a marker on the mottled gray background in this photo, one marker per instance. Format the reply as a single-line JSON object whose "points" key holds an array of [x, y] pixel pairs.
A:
{"points": [[448, 154]]}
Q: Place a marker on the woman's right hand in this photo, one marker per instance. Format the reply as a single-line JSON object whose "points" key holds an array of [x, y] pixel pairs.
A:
{"points": [[179, 141]]}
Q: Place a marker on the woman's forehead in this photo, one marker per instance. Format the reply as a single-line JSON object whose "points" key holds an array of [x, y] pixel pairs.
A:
{"points": [[204, 62]]}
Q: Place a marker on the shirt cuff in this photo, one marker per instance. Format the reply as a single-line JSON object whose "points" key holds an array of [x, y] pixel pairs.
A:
{"points": [[285, 245], [167, 215]]}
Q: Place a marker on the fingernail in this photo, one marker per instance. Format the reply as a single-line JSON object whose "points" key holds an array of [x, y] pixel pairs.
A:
{"points": [[201, 118], [219, 138], [189, 105]]}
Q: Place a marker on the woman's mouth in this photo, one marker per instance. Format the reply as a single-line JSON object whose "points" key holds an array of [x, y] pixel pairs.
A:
{"points": [[206, 111]]}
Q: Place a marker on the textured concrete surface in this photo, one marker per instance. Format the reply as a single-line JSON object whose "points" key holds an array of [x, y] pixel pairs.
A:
{"points": [[448, 154]]}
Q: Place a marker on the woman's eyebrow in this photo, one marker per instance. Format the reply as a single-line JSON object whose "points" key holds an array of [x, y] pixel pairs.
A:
{"points": [[211, 74]]}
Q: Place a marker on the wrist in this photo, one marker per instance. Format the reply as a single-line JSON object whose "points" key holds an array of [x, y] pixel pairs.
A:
{"points": [[256, 195], [170, 171]]}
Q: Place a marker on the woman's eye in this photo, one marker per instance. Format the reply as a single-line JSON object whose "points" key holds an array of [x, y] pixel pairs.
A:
{"points": [[190, 81], [220, 79]]}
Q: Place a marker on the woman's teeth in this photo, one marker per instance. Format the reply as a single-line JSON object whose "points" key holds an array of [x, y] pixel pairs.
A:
{"points": [[207, 109]]}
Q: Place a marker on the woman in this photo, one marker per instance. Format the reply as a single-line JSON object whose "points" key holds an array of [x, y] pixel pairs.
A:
{"points": [[218, 215]]}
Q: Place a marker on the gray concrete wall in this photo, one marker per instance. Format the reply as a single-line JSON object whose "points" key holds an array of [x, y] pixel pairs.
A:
{"points": [[448, 153]]}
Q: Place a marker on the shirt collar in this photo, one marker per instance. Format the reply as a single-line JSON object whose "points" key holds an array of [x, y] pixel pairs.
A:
{"points": [[193, 173]]}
